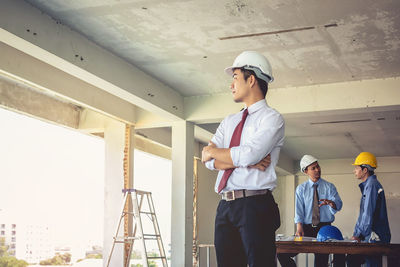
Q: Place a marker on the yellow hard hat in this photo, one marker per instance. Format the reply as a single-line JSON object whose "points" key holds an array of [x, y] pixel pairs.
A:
{"points": [[366, 158]]}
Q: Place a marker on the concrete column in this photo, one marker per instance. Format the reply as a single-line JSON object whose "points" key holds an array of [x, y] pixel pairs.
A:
{"points": [[128, 183], [182, 194], [290, 192], [114, 136]]}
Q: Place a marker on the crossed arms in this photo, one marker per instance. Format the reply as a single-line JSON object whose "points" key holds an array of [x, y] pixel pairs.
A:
{"points": [[223, 160]]}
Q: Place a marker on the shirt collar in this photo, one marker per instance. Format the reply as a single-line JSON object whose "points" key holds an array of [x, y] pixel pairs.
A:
{"points": [[256, 106], [369, 180], [311, 183]]}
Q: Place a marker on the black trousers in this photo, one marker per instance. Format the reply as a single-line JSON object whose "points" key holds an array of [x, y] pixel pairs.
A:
{"points": [[320, 260], [245, 231], [354, 260]]}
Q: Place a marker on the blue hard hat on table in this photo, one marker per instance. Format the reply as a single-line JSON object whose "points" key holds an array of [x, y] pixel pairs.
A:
{"points": [[329, 232]]}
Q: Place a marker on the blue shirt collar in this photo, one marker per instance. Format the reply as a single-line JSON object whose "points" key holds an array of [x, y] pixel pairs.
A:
{"points": [[369, 180]]}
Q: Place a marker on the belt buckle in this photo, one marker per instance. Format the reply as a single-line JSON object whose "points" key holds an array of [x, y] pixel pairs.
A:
{"points": [[314, 226], [230, 195]]}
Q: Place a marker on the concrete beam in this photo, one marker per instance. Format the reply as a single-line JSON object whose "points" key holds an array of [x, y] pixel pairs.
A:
{"points": [[207, 109], [295, 100], [146, 119], [23, 99], [92, 122], [37, 34], [34, 73]]}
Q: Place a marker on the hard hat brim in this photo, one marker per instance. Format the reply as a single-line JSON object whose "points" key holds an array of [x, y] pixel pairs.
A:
{"points": [[229, 71]]}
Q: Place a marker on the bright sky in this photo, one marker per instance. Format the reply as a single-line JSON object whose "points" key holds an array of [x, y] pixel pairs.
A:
{"points": [[154, 174], [54, 176]]}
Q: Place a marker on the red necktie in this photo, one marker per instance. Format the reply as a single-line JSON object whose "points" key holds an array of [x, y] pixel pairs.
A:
{"points": [[235, 141]]}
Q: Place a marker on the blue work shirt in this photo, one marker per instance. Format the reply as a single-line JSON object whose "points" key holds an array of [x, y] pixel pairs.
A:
{"points": [[304, 201], [373, 213]]}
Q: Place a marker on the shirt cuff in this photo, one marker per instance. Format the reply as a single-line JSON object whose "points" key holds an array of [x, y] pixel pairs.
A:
{"points": [[297, 220], [210, 164], [333, 211]]}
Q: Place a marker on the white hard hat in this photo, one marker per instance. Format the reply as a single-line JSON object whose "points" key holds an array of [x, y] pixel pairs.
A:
{"points": [[251, 60], [306, 161]]}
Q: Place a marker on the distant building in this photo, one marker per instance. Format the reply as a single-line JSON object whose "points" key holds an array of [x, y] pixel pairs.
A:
{"points": [[31, 243], [62, 250], [96, 250], [8, 231], [36, 244]]}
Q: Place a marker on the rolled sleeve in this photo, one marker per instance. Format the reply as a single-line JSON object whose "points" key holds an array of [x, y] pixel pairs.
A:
{"points": [[210, 164], [335, 198], [235, 155]]}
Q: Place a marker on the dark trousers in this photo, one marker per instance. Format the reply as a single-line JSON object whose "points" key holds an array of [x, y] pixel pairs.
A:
{"points": [[245, 231], [354, 260], [320, 260]]}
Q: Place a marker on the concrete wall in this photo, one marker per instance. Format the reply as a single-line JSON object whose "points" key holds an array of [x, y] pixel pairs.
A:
{"points": [[284, 196]]}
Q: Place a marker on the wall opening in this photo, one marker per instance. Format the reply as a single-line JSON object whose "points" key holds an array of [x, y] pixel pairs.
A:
{"points": [[154, 174], [52, 190]]}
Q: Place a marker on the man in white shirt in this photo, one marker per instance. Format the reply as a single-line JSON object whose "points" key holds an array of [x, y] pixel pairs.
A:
{"points": [[247, 216]]}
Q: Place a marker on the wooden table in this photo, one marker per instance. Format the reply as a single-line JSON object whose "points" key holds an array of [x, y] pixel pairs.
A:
{"points": [[385, 250]]}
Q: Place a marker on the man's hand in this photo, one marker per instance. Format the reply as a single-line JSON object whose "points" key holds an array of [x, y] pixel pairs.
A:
{"points": [[205, 154], [356, 238], [327, 202], [299, 230], [263, 164]]}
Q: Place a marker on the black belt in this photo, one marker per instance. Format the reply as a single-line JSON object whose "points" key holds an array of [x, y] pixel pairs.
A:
{"points": [[234, 194]]}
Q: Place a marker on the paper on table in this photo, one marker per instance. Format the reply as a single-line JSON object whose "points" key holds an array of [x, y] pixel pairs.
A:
{"points": [[281, 237]]}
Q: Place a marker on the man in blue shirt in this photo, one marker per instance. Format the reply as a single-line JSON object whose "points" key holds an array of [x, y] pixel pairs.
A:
{"points": [[317, 201], [372, 225]]}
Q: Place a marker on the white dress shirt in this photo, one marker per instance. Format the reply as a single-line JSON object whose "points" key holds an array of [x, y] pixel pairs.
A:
{"points": [[262, 134]]}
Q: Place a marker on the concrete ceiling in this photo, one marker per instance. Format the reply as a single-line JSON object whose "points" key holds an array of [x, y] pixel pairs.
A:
{"points": [[187, 44], [179, 42]]}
